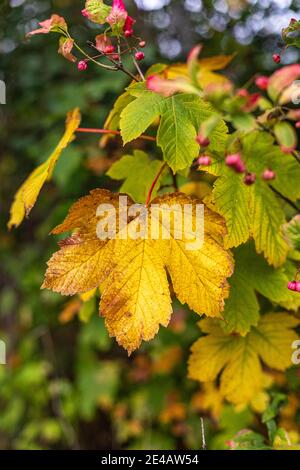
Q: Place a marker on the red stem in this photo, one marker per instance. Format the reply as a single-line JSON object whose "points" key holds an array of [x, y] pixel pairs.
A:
{"points": [[154, 183], [108, 131]]}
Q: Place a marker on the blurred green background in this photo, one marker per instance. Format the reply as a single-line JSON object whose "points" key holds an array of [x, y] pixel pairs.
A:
{"points": [[66, 384]]}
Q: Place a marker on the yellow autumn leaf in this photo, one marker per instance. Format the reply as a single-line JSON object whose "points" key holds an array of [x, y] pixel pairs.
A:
{"points": [[238, 359], [206, 74], [132, 272], [27, 194]]}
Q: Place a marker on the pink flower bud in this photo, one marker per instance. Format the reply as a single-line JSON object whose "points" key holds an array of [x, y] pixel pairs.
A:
{"points": [[276, 58], [285, 149], [128, 33], [116, 57], [250, 179], [292, 285], [203, 141], [82, 65], [139, 55], [232, 160], [235, 162], [204, 160], [142, 43], [268, 175], [84, 13], [297, 125], [262, 82], [297, 286]]}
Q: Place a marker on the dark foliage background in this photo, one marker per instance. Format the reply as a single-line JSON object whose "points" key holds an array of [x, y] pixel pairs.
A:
{"points": [[66, 384]]}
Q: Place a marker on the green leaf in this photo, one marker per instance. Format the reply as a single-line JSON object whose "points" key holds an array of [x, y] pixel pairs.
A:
{"points": [[138, 171], [180, 118], [255, 211], [252, 274], [292, 232]]}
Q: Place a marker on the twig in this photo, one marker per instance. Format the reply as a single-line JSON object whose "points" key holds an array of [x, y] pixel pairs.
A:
{"points": [[154, 183], [118, 65]]}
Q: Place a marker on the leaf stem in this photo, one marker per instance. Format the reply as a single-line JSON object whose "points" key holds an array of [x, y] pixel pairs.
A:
{"points": [[108, 131], [294, 206], [154, 183]]}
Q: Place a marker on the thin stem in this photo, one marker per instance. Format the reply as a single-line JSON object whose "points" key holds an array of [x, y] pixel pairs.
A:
{"points": [[174, 179], [108, 131], [134, 61], [118, 65], [107, 67], [154, 183]]}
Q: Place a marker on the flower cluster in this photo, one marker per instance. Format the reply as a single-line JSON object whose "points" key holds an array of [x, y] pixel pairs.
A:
{"points": [[118, 29]]}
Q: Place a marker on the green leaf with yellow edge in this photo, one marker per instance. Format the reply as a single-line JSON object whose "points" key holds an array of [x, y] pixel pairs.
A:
{"points": [[252, 275], [97, 11], [138, 171], [286, 135], [27, 194], [180, 118], [132, 270], [238, 359], [255, 211]]}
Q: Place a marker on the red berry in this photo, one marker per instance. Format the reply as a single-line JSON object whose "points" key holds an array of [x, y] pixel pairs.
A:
{"points": [[82, 65], [262, 82], [116, 57], [139, 55], [128, 33], [276, 58], [204, 160], [293, 20], [203, 141], [268, 175], [142, 43], [109, 49], [250, 179], [84, 12], [297, 124], [292, 285]]}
